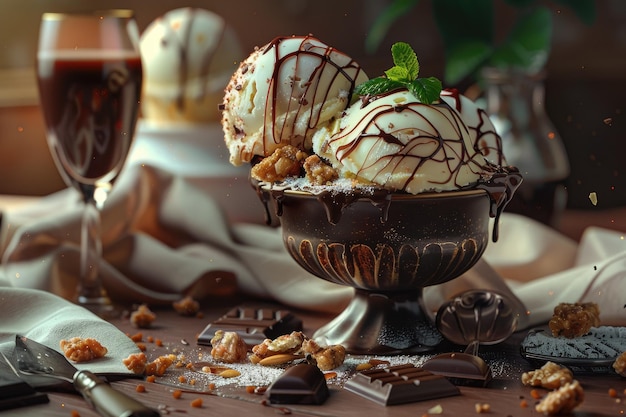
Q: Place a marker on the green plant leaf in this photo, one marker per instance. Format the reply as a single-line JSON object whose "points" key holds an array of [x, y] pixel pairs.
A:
{"points": [[404, 57], [460, 21], [380, 27], [426, 90], [528, 44], [377, 86], [463, 60]]}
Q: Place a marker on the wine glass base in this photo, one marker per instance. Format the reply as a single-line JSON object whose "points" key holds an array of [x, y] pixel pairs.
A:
{"points": [[382, 323], [101, 306]]}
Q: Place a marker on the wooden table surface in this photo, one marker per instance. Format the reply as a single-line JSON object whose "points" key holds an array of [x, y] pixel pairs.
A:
{"points": [[178, 334]]}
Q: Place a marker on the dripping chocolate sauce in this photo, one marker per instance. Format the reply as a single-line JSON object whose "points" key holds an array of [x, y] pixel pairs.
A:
{"points": [[498, 181], [500, 187]]}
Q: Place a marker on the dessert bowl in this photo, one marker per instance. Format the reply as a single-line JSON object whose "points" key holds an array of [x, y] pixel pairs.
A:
{"points": [[388, 247]]}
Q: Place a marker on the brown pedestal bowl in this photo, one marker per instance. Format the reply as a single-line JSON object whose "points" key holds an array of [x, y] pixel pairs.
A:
{"points": [[388, 247]]}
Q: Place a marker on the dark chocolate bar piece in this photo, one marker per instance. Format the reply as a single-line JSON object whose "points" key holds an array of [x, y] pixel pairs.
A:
{"points": [[460, 368], [400, 384], [299, 384], [253, 324]]}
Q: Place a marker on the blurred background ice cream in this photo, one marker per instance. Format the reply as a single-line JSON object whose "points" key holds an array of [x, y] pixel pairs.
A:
{"points": [[188, 56]]}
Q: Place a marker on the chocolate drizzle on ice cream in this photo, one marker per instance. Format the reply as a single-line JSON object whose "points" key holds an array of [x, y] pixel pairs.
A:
{"points": [[385, 147], [282, 93]]}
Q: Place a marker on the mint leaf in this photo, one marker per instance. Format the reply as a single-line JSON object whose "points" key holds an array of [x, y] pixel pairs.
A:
{"points": [[426, 90], [377, 86], [398, 74], [404, 56], [402, 75]]}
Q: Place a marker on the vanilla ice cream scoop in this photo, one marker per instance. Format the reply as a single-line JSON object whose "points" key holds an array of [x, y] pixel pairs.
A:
{"points": [[398, 143], [483, 133], [282, 93], [188, 57]]}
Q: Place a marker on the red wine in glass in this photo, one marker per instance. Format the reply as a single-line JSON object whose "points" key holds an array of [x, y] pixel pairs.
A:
{"points": [[90, 104], [89, 74]]}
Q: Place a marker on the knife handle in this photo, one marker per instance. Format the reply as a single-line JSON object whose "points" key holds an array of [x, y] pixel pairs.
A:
{"points": [[108, 401]]}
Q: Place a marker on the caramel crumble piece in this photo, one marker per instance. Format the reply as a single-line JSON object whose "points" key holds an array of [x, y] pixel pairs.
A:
{"points": [[142, 317], [77, 349], [574, 320], [186, 307], [549, 376], [481, 408], [285, 162], [318, 172]]}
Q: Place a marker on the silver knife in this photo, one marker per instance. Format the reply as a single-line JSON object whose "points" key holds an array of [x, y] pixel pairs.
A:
{"points": [[33, 358]]}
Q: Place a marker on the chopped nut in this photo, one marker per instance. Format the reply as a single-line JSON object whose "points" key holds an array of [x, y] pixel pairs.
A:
{"points": [[620, 364], [288, 343], [142, 317], [550, 376], [318, 172], [286, 161], [574, 320], [562, 400], [136, 363], [82, 350], [228, 347], [326, 358], [159, 365]]}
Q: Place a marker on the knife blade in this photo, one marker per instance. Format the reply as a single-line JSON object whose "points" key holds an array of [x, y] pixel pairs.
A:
{"points": [[35, 358]]}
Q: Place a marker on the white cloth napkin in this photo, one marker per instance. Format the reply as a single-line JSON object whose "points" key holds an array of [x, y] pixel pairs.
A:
{"points": [[48, 319], [169, 229]]}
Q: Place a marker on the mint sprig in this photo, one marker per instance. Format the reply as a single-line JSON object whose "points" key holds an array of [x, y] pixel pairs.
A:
{"points": [[404, 74]]}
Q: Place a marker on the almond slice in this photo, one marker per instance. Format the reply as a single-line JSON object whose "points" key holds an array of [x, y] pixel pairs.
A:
{"points": [[279, 359]]}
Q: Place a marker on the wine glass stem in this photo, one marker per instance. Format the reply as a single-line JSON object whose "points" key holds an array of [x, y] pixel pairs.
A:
{"points": [[91, 290]]}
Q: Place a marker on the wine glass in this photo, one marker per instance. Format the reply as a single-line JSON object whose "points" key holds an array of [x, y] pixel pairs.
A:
{"points": [[89, 74]]}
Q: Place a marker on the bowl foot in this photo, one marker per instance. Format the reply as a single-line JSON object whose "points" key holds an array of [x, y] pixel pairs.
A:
{"points": [[382, 323]]}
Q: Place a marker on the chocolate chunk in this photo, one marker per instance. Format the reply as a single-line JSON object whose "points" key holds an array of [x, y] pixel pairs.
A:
{"points": [[299, 384], [253, 324], [460, 368], [400, 384]]}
